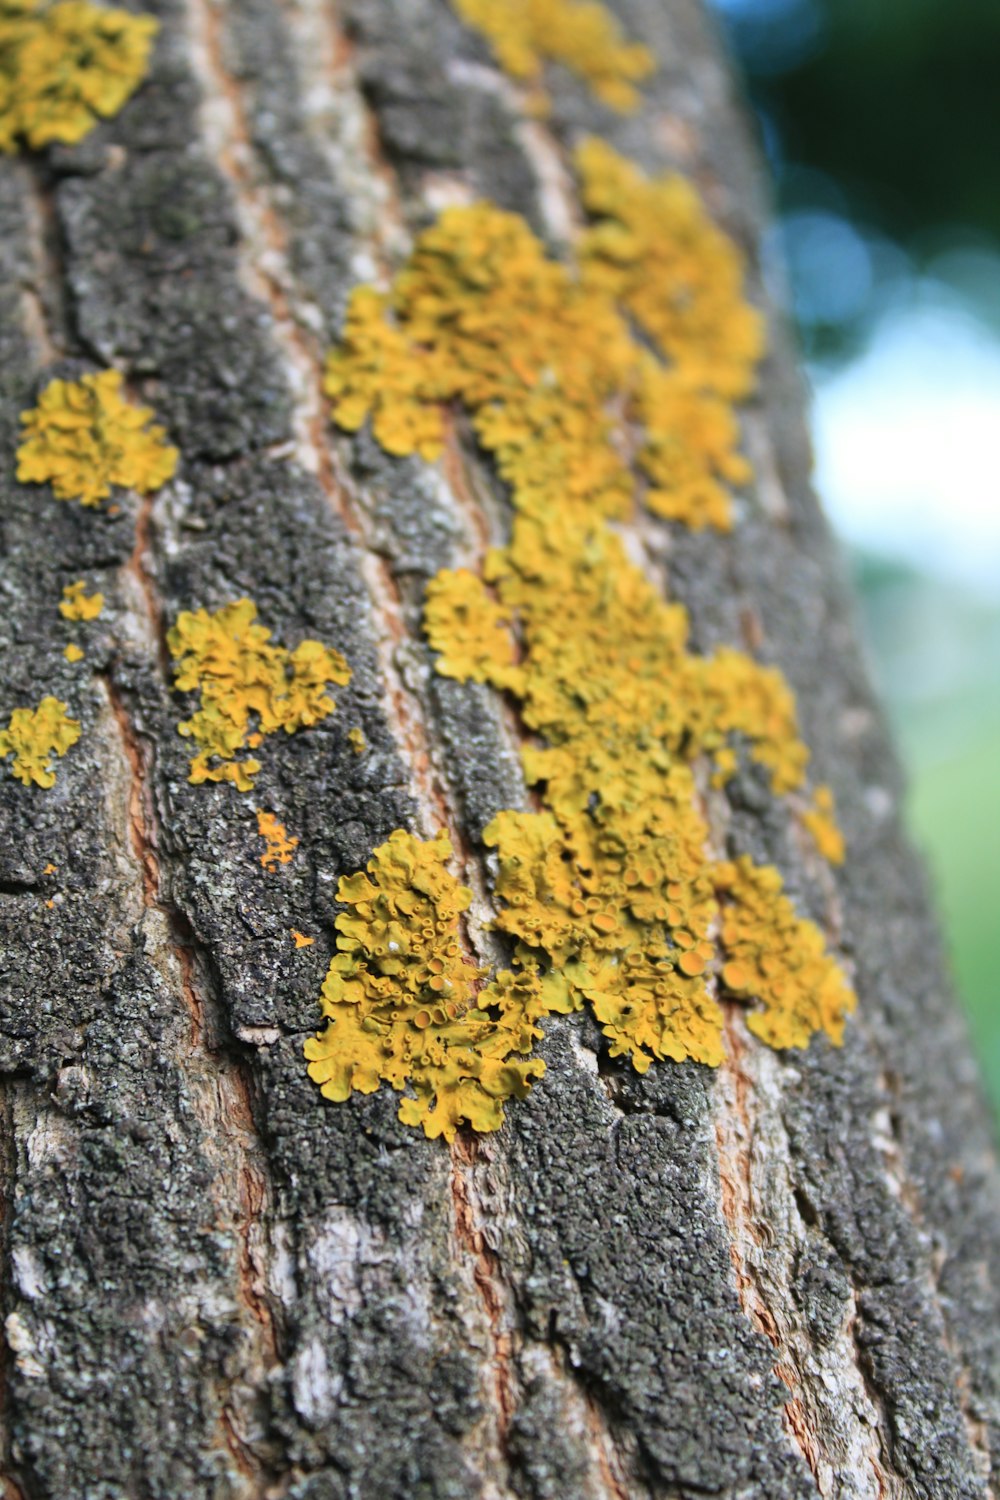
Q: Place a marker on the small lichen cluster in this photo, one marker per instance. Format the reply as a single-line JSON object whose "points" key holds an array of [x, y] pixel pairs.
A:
{"points": [[66, 65], [279, 846], [581, 34], [566, 371], [83, 437], [249, 687], [33, 736], [77, 604], [404, 1007], [609, 892]]}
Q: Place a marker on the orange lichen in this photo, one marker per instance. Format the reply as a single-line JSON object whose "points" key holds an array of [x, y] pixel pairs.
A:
{"points": [[401, 1000], [545, 360], [356, 740], [280, 847], [820, 819], [249, 687], [300, 940], [581, 34], [66, 65], [33, 736], [77, 604], [50, 869], [778, 958], [82, 437], [72, 652]]}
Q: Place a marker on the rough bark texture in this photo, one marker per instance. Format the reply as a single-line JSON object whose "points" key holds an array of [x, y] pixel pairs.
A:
{"points": [[775, 1280]]}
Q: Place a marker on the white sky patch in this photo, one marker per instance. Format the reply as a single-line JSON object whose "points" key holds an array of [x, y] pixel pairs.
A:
{"points": [[908, 444]]}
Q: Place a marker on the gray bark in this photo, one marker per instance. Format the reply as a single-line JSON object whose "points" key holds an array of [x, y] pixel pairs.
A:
{"points": [[775, 1280]]}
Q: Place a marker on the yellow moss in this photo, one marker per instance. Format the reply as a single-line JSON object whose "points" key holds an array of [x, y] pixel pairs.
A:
{"points": [[66, 65], [778, 958], [300, 940], [402, 1003], [356, 740], [82, 437], [820, 819], [584, 37], [72, 652], [547, 364], [77, 604], [654, 249], [280, 847], [249, 687], [33, 736]]}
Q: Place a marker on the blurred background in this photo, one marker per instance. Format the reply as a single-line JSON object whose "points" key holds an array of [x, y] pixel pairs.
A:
{"points": [[881, 120]]}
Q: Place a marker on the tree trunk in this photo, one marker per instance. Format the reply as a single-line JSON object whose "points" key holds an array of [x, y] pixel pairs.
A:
{"points": [[773, 1279]]}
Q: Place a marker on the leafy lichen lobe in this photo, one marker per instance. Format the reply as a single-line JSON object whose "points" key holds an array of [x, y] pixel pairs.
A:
{"points": [[249, 687], [404, 1006], [65, 66], [33, 736], [83, 437]]}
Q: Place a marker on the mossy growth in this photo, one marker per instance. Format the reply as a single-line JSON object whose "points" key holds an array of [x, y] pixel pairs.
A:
{"points": [[405, 1007], [34, 736], [581, 34], [66, 65], [83, 437], [567, 370], [77, 604], [249, 687]]}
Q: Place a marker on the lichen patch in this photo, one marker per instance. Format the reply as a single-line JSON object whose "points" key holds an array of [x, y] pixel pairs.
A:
{"points": [[83, 437], [65, 66], [249, 687], [34, 736]]}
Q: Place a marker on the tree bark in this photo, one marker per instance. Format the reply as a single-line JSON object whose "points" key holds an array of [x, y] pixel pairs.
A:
{"points": [[775, 1279]]}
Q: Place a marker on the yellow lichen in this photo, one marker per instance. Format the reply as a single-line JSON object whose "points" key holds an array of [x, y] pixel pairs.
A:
{"points": [[66, 65], [611, 888], [608, 892], [83, 437], [300, 940], [545, 360], [249, 687], [654, 250], [778, 958], [280, 847], [33, 736], [77, 604], [581, 34], [72, 652], [356, 740], [402, 1003], [820, 819]]}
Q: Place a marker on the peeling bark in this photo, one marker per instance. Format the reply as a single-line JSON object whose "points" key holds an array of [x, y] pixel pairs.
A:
{"points": [[775, 1280]]}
